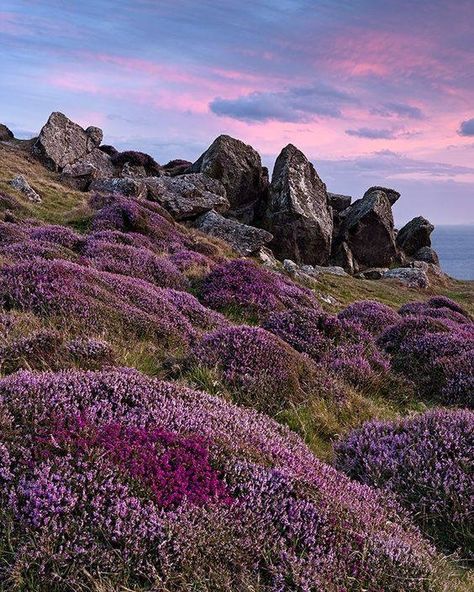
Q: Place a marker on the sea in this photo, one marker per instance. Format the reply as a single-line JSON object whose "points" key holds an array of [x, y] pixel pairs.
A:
{"points": [[455, 248]]}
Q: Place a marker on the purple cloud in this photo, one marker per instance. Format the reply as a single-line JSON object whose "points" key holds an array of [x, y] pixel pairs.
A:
{"points": [[467, 128], [398, 110], [372, 134]]}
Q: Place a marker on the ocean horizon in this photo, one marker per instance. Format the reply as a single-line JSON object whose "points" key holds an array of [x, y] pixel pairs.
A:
{"points": [[455, 247]]}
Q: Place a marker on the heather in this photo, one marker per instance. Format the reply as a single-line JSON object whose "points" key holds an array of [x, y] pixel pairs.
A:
{"points": [[261, 370], [426, 462], [242, 287], [157, 485], [373, 316]]}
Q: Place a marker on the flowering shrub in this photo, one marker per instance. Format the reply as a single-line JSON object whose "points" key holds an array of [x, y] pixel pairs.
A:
{"points": [[151, 482], [48, 350], [59, 235], [136, 159], [35, 249], [134, 262], [191, 263], [373, 316], [11, 232], [342, 346], [261, 370], [438, 307], [99, 301], [426, 462], [142, 217], [252, 290]]}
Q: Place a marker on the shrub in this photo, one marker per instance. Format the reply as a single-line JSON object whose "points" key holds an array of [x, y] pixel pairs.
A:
{"points": [[373, 316], [83, 462], [438, 307], [425, 461], [58, 235], [96, 301], [252, 290], [136, 159], [136, 262], [35, 249]]}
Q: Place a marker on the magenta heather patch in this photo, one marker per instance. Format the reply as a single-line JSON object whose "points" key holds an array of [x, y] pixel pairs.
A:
{"points": [[90, 496], [35, 249], [58, 235], [425, 462], [252, 290]]}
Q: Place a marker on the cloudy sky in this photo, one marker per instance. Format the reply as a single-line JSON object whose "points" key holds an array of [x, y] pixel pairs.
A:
{"points": [[373, 92]]}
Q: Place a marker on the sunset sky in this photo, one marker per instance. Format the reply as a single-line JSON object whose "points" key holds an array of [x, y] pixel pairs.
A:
{"points": [[372, 92]]}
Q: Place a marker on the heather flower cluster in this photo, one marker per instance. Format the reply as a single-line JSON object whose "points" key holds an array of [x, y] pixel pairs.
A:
{"points": [[426, 462], [152, 483], [373, 316], [252, 291], [261, 370], [435, 352]]}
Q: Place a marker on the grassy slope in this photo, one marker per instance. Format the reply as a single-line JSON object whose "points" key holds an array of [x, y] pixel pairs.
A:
{"points": [[319, 423]]}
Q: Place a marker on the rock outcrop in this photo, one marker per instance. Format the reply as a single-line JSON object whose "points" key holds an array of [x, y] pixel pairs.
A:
{"points": [[298, 213], [123, 186], [21, 184], [62, 142], [410, 276], [177, 166], [95, 165], [415, 235], [239, 168], [188, 196], [339, 202], [367, 233], [5, 134], [391, 194], [243, 238], [427, 254]]}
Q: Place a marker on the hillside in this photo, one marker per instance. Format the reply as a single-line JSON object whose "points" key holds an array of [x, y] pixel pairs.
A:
{"points": [[182, 408]]}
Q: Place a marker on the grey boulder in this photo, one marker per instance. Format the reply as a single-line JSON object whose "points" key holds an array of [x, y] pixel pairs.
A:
{"points": [[415, 235], [243, 238], [5, 134], [367, 230], [122, 186], [298, 213], [391, 194], [339, 202], [188, 196], [62, 142], [412, 277], [21, 184], [239, 168], [95, 165], [427, 254]]}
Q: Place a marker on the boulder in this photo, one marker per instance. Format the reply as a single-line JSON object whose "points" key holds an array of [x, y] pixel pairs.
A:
{"points": [[188, 196], [62, 142], [21, 184], [243, 238], [298, 213], [427, 254], [133, 171], [415, 235], [239, 168], [339, 202], [391, 194], [95, 165], [123, 186], [374, 273], [95, 134], [367, 229], [342, 257], [316, 270], [5, 134], [412, 277]]}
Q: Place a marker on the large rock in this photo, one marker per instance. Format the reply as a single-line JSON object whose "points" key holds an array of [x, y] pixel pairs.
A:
{"points": [[239, 168], [298, 213], [178, 166], [95, 165], [367, 230], [391, 194], [415, 235], [410, 276], [243, 238], [342, 257], [427, 254], [5, 133], [339, 202], [188, 196], [122, 186], [62, 142]]}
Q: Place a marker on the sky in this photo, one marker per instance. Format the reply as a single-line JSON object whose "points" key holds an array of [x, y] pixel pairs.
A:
{"points": [[374, 93]]}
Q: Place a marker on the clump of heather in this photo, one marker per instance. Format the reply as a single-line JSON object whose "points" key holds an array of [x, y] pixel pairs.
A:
{"points": [[58, 235], [373, 316], [192, 264], [436, 354], [49, 350], [35, 249], [157, 485], [438, 307], [252, 291], [261, 370], [134, 262], [100, 302], [340, 345], [426, 462], [142, 217], [10, 232], [135, 158]]}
